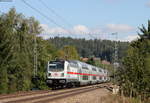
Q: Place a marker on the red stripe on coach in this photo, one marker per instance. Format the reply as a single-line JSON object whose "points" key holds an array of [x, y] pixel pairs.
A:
{"points": [[84, 74]]}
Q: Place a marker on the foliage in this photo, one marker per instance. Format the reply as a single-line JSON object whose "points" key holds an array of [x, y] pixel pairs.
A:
{"points": [[17, 35], [103, 49], [92, 62], [67, 53], [135, 72]]}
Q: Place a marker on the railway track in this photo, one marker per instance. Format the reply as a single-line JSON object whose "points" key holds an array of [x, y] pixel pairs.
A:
{"points": [[65, 95], [46, 96], [23, 94]]}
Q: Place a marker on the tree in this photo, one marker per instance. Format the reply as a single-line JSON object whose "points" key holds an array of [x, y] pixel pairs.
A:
{"points": [[16, 51], [68, 52], [135, 74], [45, 54], [145, 32], [92, 48]]}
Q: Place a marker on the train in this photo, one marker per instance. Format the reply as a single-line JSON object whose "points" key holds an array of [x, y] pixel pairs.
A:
{"points": [[70, 73]]}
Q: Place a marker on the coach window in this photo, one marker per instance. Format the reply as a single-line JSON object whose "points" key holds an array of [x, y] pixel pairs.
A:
{"points": [[100, 78], [100, 70], [73, 65], [85, 77], [94, 77], [84, 67], [94, 69], [105, 71]]}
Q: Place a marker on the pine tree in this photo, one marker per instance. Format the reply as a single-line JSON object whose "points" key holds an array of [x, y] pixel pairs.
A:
{"points": [[135, 72]]}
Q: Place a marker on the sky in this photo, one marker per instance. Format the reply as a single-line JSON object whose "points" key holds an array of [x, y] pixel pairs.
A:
{"points": [[88, 19]]}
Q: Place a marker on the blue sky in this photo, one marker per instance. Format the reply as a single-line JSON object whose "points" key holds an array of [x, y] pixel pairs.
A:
{"points": [[100, 18]]}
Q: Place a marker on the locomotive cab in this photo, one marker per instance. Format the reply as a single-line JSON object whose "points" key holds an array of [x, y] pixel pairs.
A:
{"points": [[55, 73]]}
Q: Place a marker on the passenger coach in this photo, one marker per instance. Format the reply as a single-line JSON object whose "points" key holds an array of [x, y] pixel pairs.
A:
{"points": [[68, 73]]}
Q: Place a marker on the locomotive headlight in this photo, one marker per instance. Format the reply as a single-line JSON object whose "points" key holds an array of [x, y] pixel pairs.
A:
{"points": [[62, 74], [49, 74], [49, 81]]}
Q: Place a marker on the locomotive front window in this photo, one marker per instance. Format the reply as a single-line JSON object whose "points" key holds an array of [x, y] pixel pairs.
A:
{"points": [[56, 67]]}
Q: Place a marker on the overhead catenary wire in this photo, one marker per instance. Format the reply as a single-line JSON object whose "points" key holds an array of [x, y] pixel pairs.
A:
{"points": [[45, 16], [62, 18], [56, 14], [51, 20]]}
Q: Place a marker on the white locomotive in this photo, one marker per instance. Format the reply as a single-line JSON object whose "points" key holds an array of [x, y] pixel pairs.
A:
{"points": [[74, 73]]}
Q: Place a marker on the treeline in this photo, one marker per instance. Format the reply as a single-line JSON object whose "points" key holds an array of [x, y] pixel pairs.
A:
{"points": [[134, 74], [17, 41], [103, 49]]}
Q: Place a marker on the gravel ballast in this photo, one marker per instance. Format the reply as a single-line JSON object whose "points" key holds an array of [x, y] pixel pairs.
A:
{"points": [[95, 96]]}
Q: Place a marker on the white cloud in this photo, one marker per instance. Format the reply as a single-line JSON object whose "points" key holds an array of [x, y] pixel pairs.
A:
{"points": [[77, 30], [130, 38], [56, 30], [82, 31], [119, 28]]}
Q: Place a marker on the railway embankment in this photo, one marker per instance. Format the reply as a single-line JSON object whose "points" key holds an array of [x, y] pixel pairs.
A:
{"points": [[100, 93], [52, 96]]}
